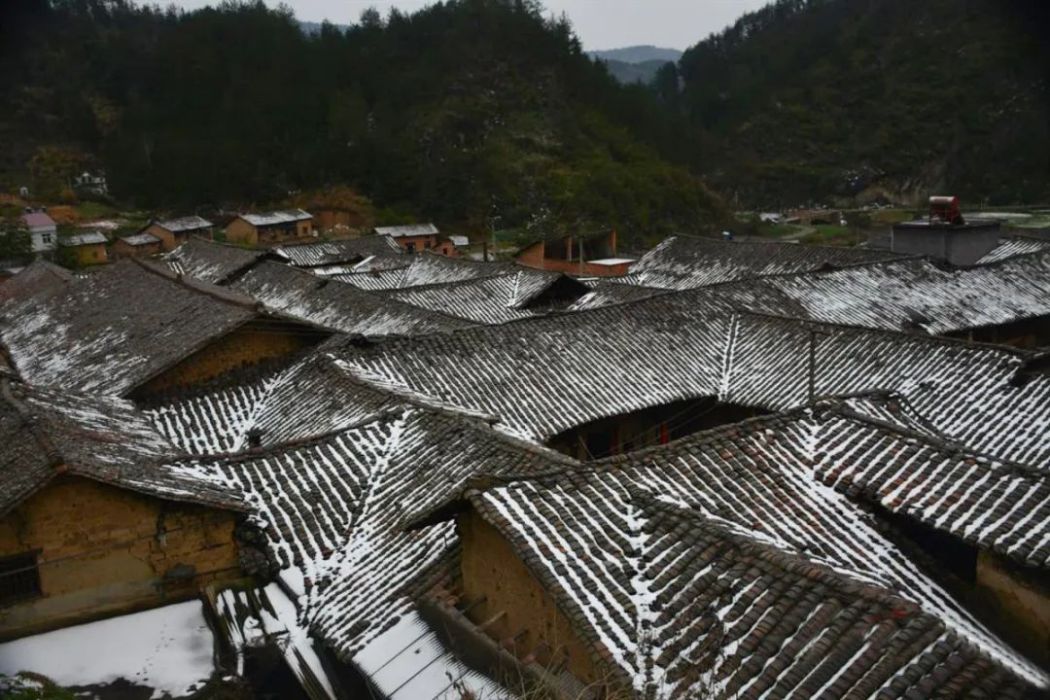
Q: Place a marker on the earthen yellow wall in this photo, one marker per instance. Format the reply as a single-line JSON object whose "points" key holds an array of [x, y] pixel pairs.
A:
{"points": [[167, 238], [90, 254], [1023, 600], [104, 550], [492, 569], [123, 250], [245, 346], [240, 231]]}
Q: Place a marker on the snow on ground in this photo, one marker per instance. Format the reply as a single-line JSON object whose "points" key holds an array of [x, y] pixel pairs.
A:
{"points": [[169, 649]]}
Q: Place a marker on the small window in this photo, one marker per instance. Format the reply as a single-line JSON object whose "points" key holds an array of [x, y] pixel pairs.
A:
{"points": [[19, 578], [46, 238]]}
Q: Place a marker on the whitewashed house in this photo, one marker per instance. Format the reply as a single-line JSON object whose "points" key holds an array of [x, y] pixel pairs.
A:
{"points": [[42, 230]]}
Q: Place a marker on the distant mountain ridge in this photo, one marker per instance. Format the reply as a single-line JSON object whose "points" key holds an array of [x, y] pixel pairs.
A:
{"points": [[638, 54], [636, 64]]}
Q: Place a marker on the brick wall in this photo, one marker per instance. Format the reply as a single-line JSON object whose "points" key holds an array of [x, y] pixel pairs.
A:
{"points": [[104, 550]]}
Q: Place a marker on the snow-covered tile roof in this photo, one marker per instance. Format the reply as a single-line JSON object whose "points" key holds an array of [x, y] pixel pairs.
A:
{"points": [[312, 397], [995, 505], [430, 268], [407, 230], [608, 293], [1014, 245], [544, 376], [337, 252], [683, 262], [377, 280], [111, 330], [333, 304], [524, 293], [274, 218], [335, 509], [717, 561], [907, 294], [185, 224], [211, 262], [38, 277], [45, 431]]}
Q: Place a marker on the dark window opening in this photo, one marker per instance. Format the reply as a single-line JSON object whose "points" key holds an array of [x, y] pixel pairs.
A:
{"points": [[648, 427], [560, 295], [943, 549], [19, 578]]}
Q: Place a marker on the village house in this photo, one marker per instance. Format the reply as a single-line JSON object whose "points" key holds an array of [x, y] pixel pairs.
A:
{"points": [[138, 245], [86, 249], [91, 523], [269, 228], [174, 232], [584, 256], [414, 238], [43, 231], [136, 328]]}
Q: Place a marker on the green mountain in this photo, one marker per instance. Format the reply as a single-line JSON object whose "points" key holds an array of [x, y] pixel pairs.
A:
{"points": [[859, 100], [480, 113]]}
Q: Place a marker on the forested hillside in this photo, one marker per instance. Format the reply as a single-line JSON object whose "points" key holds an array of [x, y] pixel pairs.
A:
{"points": [[812, 98], [477, 112]]}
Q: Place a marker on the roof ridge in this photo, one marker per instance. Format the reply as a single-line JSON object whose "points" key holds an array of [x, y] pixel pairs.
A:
{"points": [[794, 562], [942, 445], [193, 284], [29, 419]]}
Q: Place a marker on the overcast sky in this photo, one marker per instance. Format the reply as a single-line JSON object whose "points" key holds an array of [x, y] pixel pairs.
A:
{"points": [[600, 24]]}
